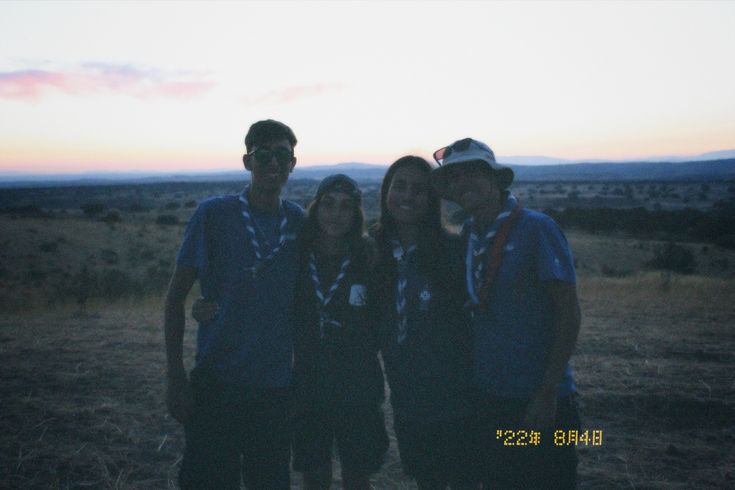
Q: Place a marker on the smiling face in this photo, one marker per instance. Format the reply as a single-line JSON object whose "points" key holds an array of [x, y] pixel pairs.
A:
{"points": [[407, 200], [473, 188], [336, 214], [270, 164]]}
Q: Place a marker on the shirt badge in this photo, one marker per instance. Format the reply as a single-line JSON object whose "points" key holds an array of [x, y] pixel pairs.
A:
{"points": [[424, 298], [358, 295]]}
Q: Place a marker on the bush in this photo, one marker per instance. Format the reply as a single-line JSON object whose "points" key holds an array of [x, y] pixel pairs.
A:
{"points": [[167, 219], [49, 246], [609, 271], [137, 208], [91, 209], [82, 286], [157, 278], [28, 211], [115, 284], [112, 217], [675, 258], [109, 256], [727, 241]]}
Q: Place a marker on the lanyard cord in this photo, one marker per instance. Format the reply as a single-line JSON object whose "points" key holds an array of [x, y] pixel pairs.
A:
{"points": [[402, 257], [252, 235], [323, 300]]}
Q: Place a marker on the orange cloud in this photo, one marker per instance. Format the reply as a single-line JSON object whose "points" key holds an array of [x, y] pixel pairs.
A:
{"points": [[100, 78]]}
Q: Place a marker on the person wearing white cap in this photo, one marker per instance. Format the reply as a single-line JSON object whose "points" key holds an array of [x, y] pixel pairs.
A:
{"points": [[520, 281]]}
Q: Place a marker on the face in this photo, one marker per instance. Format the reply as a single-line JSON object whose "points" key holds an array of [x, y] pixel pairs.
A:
{"points": [[472, 188], [407, 200], [270, 164], [336, 214]]}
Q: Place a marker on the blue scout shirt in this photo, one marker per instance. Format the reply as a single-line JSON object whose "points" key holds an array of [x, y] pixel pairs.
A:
{"points": [[513, 336], [250, 341]]}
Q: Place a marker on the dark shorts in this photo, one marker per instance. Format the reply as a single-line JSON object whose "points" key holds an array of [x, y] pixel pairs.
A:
{"points": [[437, 453], [362, 440], [546, 466], [236, 432]]}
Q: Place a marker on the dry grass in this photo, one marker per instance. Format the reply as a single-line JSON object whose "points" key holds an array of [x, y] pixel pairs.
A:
{"points": [[654, 367], [83, 407]]}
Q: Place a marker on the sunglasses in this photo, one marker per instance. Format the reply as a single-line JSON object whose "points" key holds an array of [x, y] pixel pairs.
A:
{"points": [[264, 156], [457, 146]]}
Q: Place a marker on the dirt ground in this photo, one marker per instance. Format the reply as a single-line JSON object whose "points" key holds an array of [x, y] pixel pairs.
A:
{"points": [[82, 405]]}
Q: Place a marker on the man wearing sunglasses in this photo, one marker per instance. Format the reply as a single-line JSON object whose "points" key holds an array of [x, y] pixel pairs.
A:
{"points": [[242, 249], [521, 290]]}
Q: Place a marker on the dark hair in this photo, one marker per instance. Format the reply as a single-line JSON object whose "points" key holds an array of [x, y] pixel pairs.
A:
{"points": [[429, 246], [356, 237], [268, 131]]}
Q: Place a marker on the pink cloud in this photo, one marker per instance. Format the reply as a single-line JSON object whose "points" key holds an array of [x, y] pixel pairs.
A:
{"points": [[100, 78], [181, 90]]}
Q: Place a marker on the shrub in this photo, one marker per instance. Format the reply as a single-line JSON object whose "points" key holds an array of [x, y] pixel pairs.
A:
{"points": [[109, 256], [157, 278], [673, 257], [82, 285], [49, 247], [727, 241], [609, 271], [112, 217], [167, 219], [91, 209], [28, 211], [137, 208], [115, 284]]}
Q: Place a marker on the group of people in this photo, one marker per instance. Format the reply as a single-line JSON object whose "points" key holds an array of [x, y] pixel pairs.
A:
{"points": [[475, 330]]}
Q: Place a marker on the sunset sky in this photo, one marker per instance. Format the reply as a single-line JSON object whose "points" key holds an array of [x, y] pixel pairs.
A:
{"points": [[90, 86]]}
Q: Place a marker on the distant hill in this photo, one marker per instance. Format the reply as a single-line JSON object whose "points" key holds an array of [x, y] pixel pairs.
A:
{"points": [[628, 171], [543, 160], [722, 169]]}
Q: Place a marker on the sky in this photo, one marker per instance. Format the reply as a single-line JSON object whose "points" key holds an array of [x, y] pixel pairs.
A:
{"points": [[121, 86]]}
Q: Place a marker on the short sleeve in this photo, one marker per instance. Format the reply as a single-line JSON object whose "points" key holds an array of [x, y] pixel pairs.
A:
{"points": [[193, 250], [554, 255]]}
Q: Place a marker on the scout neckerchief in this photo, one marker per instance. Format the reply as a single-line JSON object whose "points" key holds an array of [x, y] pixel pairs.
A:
{"points": [[402, 257], [260, 260], [322, 299], [477, 253]]}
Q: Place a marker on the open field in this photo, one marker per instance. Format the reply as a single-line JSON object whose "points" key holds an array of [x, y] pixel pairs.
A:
{"points": [[81, 381], [62, 244], [83, 406]]}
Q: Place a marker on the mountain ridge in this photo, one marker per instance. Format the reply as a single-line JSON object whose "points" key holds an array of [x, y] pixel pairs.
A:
{"points": [[719, 169]]}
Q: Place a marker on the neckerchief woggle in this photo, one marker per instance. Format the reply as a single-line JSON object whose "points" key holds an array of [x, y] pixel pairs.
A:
{"points": [[323, 300], [497, 234], [261, 261], [401, 257]]}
